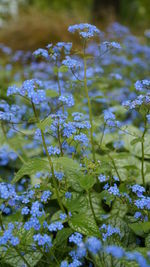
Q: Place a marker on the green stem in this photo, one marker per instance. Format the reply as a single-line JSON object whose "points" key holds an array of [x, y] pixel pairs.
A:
{"points": [[59, 140], [50, 161], [102, 136], [58, 81], [143, 152], [89, 106], [115, 167], [91, 206], [1, 222]]}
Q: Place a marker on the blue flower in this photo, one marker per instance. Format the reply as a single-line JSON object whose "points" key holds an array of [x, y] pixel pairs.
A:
{"points": [[114, 190], [82, 138], [143, 85], [93, 244], [115, 251], [43, 240], [67, 99], [25, 211], [139, 190], [41, 52], [64, 264], [71, 63], [110, 119], [76, 238], [85, 30], [108, 231], [45, 196], [53, 150], [35, 209], [53, 227], [68, 195], [63, 216], [59, 175], [102, 178], [14, 241], [137, 215]]}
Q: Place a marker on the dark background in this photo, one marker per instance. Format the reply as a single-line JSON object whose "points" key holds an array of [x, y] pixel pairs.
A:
{"points": [[39, 22]]}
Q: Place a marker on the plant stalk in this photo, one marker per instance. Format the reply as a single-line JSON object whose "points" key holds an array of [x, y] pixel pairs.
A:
{"points": [[50, 161], [89, 106]]}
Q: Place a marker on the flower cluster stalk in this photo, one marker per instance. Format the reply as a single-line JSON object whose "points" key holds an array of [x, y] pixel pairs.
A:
{"points": [[50, 161], [89, 105]]}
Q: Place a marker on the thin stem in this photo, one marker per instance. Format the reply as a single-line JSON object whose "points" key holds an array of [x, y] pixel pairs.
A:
{"points": [[58, 81], [143, 152], [115, 167], [91, 206], [49, 160], [102, 136], [1, 222], [89, 106], [59, 140]]}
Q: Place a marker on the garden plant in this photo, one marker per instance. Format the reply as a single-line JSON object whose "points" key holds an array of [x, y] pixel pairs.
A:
{"points": [[75, 151]]}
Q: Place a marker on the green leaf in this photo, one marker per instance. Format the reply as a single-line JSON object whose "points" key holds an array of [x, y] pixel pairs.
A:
{"points": [[140, 228], [12, 255], [62, 237], [136, 140], [135, 148], [63, 68], [79, 203], [86, 181], [31, 167], [44, 123], [84, 224], [51, 93], [14, 259], [119, 209], [107, 197], [147, 241], [70, 168]]}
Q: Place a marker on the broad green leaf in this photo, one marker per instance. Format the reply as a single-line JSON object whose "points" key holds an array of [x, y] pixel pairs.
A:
{"points": [[79, 203], [31, 167], [84, 224], [141, 228], [147, 241], [119, 209], [12, 255], [62, 236], [70, 168], [86, 181], [136, 140]]}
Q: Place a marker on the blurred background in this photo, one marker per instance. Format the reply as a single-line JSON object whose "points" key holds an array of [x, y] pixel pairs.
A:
{"points": [[29, 24]]}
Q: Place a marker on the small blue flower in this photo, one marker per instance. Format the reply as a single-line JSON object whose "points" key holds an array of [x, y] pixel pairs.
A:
{"points": [[63, 216], [25, 211], [45, 196], [115, 251], [53, 227], [114, 190], [85, 30], [93, 244], [41, 52], [102, 178], [68, 195], [139, 190], [76, 238]]}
